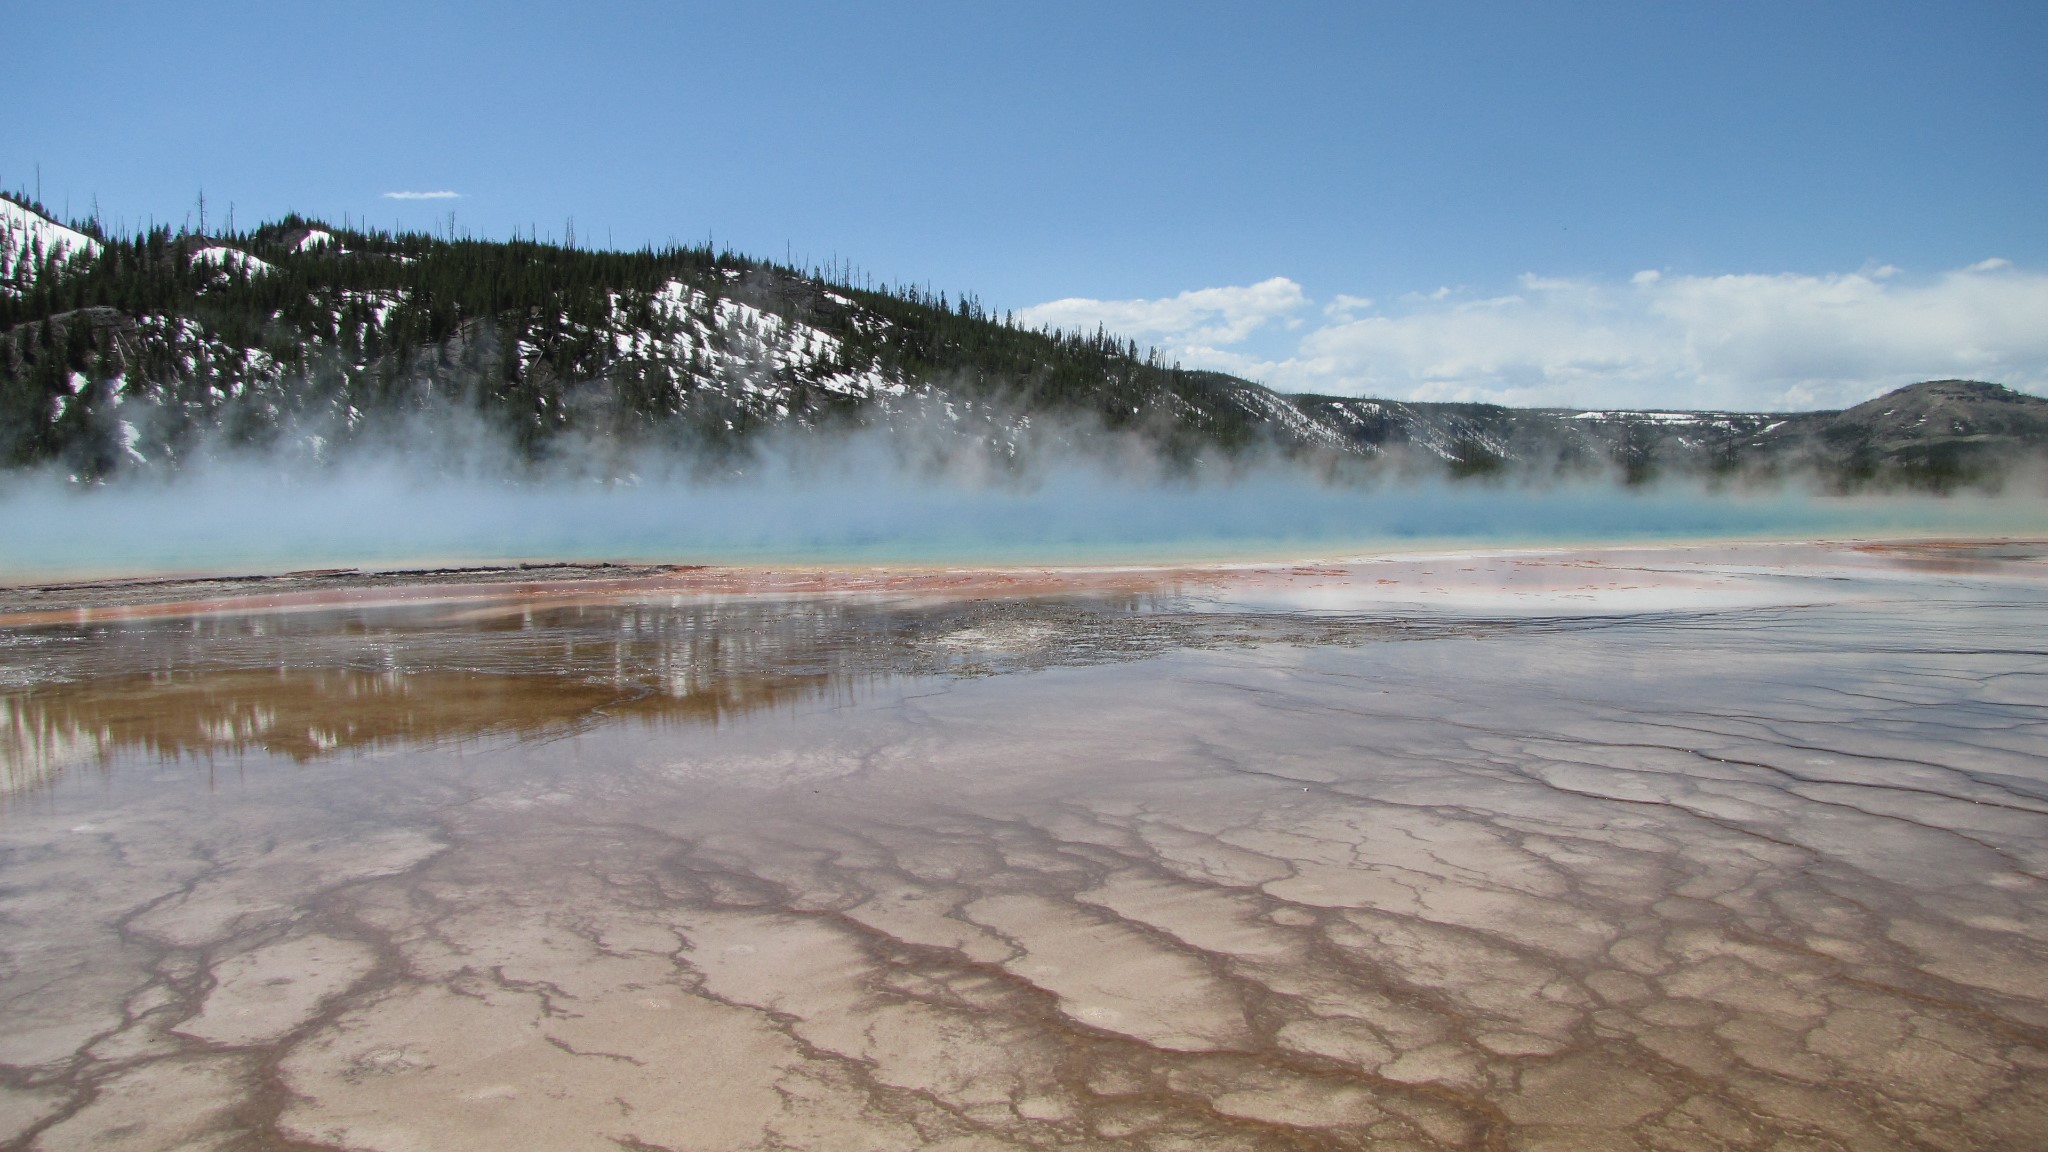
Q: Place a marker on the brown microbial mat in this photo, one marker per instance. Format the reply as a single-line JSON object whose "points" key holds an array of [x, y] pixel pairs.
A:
{"points": [[1687, 848]]}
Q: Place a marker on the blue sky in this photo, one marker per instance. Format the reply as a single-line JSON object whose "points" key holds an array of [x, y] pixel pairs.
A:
{"points": [[1445, 200]]}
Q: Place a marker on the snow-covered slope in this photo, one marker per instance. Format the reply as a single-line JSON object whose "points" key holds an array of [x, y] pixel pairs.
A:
{"points": [[747, 352], [231, 259], [27, 238]]}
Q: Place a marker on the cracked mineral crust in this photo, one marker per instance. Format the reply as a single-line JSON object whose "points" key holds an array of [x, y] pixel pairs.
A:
{"points": [[1687, 848]]}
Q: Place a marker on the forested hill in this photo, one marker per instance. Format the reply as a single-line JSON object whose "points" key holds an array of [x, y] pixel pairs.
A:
{"points": [[126, 353]]}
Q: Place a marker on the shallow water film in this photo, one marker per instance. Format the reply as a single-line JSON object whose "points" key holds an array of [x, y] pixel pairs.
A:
{"points": [[1687, 848]]}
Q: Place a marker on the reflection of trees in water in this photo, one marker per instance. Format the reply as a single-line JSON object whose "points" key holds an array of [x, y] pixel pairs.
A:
{"points": [[308, 687], [309, 684], [308, 714]]}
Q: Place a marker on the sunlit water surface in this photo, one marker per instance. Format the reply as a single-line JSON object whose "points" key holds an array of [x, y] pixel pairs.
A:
{"points": [[1686, 848]]}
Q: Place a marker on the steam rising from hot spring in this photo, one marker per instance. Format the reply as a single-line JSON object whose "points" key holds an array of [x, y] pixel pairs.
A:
{"points": [[447, 492]]}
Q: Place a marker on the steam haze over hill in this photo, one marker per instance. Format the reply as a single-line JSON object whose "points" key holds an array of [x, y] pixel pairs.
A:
{"points": [[133, 353], [303, 393]]}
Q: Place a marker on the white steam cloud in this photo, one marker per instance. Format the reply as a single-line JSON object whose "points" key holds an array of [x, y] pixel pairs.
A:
{"points": [[446, 488], [1758, 342], [423, 195]]}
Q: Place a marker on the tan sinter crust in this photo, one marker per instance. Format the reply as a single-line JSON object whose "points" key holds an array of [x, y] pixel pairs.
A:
{"points": [[1768, 876]]}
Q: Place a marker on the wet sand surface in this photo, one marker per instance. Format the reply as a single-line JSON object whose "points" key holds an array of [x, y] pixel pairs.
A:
{"points": [[1685, 848]]}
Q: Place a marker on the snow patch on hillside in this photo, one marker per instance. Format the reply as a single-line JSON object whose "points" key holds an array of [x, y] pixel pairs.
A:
{"points": [[1276, 409], [749, 354], [380, 302], [231, 259], [27, 238], [1645, 415]]}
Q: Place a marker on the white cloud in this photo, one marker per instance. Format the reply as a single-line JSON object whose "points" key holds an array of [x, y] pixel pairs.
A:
{"points": [[1755, 341], [1208, 316], [423, 195]]}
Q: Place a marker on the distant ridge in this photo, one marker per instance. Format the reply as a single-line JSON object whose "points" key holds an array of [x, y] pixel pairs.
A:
{"points": [[119, 354], [1938, 434]]}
